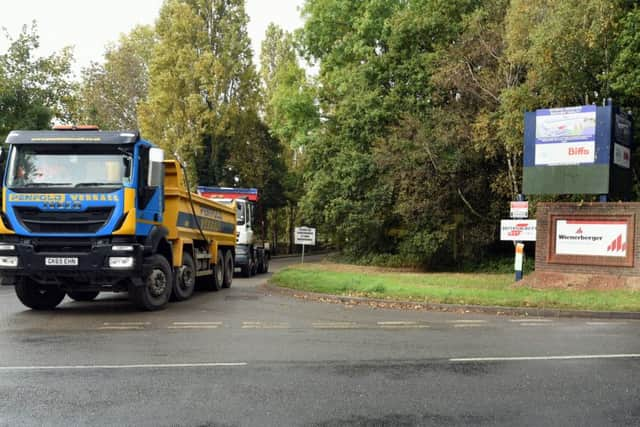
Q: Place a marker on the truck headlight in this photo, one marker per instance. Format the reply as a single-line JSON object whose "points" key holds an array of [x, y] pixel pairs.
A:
{"points": [[119, 248], [121, 262], [7, 247], [8, 261]]}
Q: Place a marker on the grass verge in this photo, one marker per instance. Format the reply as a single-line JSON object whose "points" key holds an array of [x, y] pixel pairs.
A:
{"points": [[447, 288]]}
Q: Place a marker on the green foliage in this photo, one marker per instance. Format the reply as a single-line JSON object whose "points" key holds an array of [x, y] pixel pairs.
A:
{"points": [[33, 90], [420, 146], [111, 91]]}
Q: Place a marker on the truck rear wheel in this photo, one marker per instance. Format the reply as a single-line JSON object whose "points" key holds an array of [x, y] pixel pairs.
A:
{"points": [[157, 285], [185, 280], [215, 281], [228, 269], [265, 264], [82, 295], [38, 297]]}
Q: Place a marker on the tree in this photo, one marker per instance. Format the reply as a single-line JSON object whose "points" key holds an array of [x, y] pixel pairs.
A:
{"points": [[376, 60], [33, 90], [203, 86], [288, 103], [110, 92]]}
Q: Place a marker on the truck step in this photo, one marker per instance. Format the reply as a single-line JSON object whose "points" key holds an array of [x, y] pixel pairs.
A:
{"points": [[204, 273], [203, 256]]}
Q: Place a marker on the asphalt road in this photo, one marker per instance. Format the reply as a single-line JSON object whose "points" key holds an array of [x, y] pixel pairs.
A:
{"points": [[243, 357]]}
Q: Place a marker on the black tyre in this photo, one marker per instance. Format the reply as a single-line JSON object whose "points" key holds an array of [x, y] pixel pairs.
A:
{"points": [[158, 284], [83, 295], [254, 268], [215, 281], [228, 269], [184, 281], [246, 270], [38, 297]]}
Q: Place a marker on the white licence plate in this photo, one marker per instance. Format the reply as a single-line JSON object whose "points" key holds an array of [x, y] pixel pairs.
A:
{"points": [[61, 261]]}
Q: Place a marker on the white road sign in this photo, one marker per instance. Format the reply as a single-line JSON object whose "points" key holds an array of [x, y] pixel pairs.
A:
{"points": [[520, 230], [305, 236], [519, 210], [589, 237]]}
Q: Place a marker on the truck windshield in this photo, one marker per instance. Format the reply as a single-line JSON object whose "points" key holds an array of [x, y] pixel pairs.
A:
{"points": [[68, 166]]}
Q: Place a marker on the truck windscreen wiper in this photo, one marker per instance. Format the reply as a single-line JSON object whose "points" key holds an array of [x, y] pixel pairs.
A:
{"points": [[98, 184]]}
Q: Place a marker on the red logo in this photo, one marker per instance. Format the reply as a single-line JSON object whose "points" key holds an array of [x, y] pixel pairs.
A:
{"points": [[617, 245], [578, 151], [579, 230]]}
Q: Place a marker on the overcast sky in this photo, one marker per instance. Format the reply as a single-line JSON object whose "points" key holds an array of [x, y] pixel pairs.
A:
{"points": [[89, 24]]}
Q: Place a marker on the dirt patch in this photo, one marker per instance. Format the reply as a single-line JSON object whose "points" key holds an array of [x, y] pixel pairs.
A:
{"points": [[579, 282]]}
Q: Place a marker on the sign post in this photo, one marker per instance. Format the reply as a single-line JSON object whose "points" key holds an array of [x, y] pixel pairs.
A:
{"points": [[305, 236], [517, 231]]}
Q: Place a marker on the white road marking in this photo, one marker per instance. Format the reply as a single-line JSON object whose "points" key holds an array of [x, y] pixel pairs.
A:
{"points": [[531, 358], [468, 325], [534, 324], [265, 325], [405, 327], [126, 323], [336, 325], [123, 326], [465, 321], [120, 328], [195, 325], [530, 320], [605, 323], [133, 366], [402, 325], [399, 322]]}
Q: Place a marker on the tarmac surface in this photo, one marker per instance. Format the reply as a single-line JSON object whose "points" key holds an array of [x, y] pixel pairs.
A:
{"points": [[244, 356]]}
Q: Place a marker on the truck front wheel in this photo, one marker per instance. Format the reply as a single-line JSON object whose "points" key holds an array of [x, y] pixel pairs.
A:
{"points": [[157, 285], [37, 297]]}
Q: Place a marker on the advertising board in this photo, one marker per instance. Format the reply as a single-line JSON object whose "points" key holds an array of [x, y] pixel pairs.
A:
{"points": [[592, 240], [621, 156], [565, 136], [589, 237]]}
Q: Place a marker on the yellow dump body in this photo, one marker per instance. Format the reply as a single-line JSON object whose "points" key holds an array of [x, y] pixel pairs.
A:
{"points": [[217, 221]]}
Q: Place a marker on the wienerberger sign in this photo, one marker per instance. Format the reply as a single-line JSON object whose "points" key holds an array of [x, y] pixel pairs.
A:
{"points": [[591, 237], [605, 240]]}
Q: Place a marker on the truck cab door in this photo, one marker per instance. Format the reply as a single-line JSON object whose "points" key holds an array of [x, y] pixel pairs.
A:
{"points": [[250, 230], [150, 197]]}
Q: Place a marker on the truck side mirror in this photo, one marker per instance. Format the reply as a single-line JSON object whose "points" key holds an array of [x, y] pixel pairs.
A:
{"points": [[156, 167]]}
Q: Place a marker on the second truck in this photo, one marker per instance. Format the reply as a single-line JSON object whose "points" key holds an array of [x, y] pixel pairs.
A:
{"points": [[252, 253], [86, 211]]}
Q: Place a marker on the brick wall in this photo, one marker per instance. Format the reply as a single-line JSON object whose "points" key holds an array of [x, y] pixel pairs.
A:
{"points": [[546, 210]]}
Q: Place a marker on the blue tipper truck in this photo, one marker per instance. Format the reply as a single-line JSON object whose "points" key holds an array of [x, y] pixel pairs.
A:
{"points": [[87, 211]]}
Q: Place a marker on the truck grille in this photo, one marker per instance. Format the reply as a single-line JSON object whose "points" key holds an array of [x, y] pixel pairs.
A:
{"points": [[89, 221]]}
